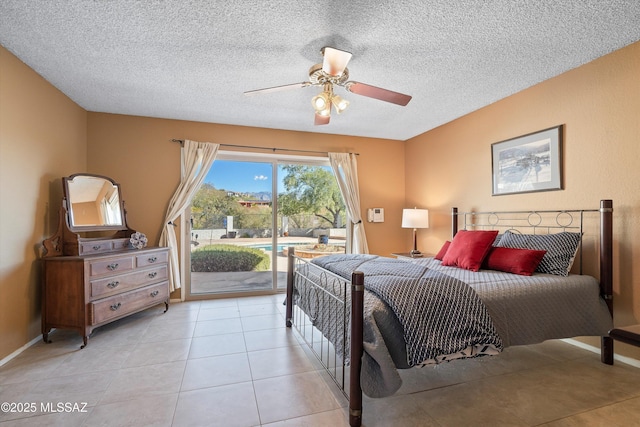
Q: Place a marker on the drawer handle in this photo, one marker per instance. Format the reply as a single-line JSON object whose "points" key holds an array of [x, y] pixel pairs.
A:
{"points": [[113, 284], [152, 259], [114, 307], [112, 266], [96, 247], [154, 293], [153, 274]]}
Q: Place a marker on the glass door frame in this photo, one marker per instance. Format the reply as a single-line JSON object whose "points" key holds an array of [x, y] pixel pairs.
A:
{"points": [[185, 240]]}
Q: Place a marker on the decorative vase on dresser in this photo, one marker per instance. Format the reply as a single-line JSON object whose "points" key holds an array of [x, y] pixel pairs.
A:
{"points": [[95, 268]]}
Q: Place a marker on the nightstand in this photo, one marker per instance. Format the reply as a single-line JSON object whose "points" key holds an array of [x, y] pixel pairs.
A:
{"points": [[408, 255]]}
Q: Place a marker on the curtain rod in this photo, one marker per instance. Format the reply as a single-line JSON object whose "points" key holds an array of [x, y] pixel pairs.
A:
{"points": [[181, 142]]}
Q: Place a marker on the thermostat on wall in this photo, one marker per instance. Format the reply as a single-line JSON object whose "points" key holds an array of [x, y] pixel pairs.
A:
{"points": [[375, 215]]}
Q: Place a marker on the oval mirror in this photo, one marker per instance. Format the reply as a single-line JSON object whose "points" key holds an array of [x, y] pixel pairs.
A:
{"points": [[94, 203]]}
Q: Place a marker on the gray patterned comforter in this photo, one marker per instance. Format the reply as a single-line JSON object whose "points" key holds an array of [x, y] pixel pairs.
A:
{"points": [[440, 315]]}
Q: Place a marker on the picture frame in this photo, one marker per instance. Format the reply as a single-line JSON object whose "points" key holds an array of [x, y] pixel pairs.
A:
{"points": [[528, 163]]}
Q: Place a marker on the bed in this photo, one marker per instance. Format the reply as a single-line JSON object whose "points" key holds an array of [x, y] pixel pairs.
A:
{"points": [[504, 279]]}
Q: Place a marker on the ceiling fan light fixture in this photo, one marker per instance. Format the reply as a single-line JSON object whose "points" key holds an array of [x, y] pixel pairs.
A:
{"points": [[326, 112], [321, 102], [324, 100], [339, 103]]}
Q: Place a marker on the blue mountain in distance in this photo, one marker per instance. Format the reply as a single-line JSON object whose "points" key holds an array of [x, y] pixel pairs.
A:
{"points": [[262, 195]]}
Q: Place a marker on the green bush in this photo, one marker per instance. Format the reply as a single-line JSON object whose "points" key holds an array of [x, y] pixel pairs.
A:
{"points": [[221, 258]]}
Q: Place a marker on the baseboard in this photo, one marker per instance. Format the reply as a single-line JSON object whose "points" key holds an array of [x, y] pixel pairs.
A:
{"points": [[20, 350], [624, 359]]}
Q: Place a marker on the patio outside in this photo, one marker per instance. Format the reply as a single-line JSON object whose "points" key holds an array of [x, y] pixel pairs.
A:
{"points": [[252, 281]]}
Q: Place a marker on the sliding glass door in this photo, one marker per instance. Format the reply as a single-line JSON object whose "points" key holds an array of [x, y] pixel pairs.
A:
{"points": [[311, 213], [240, 233], [231, 225]]}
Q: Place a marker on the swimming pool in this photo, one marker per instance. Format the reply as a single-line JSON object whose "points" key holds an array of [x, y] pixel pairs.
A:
{"points": [[268, 247]]}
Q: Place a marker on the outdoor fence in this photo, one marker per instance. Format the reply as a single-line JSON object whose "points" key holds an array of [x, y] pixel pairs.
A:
{"points": [[214, 235]]}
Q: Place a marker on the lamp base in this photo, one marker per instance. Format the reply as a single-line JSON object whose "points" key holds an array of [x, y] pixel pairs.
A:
{"points": [[415, 253]]}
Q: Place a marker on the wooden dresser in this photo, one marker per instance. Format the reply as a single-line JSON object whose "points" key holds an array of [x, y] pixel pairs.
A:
{"points": [[87, 291], [89, 281]]}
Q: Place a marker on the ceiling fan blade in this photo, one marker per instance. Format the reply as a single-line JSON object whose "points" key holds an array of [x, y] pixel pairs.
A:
{"points": [[378, 93], [321, 120], [277, 88], [335, 61]]}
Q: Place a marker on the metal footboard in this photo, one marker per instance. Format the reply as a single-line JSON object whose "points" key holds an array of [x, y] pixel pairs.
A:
{"points": [[326, 310]]}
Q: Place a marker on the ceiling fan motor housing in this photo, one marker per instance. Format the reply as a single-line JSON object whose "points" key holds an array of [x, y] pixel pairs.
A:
{"points": [[318, 77]]}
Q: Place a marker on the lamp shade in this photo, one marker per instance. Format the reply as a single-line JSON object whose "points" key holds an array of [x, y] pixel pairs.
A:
{"points": [[415, 218], [339, 103]]}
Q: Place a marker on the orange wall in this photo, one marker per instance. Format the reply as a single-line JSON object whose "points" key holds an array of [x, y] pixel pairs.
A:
{"points": [[599, 106], [138, 153], [42, 137]]}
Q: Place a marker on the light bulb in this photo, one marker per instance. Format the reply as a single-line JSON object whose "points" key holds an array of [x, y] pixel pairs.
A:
{"points": [[320, 102], [325, 112]]}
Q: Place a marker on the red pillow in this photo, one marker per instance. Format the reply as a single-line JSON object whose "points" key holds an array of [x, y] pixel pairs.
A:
{"points": [[513, 260], [442, 251], [469, 248]]}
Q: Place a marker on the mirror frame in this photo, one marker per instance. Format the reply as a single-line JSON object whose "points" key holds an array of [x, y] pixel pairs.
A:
{"points": [[82, 228]]}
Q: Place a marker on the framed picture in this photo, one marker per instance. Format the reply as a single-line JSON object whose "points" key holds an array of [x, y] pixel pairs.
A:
{"points": [[528, 163]]}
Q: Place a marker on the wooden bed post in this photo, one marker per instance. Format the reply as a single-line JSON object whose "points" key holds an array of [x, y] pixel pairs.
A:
{"points": [[606, 272], [454, 222], [290, 266], [357, 309]]}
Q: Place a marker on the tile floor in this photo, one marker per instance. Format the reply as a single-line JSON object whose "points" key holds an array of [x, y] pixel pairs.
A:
{"points": [[233, 363]]}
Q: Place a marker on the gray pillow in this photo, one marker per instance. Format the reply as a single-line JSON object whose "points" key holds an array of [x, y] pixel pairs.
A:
{"points": [[561, 249]]}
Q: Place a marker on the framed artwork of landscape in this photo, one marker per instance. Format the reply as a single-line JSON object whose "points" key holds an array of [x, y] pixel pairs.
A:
{"points": [[528, 163]]}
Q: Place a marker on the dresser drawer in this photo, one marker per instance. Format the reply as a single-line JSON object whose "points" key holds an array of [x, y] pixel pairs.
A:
{"points": [[125, 282], [95, 247], [152, 258], [106, 309], [92, 247], [101, 267], [121, 244]]}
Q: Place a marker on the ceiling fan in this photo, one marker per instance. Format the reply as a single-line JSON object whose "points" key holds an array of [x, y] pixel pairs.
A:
{"points": [[334, 72]]}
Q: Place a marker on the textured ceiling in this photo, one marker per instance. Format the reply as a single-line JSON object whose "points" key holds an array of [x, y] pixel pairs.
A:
{"points": [[192, 60]]}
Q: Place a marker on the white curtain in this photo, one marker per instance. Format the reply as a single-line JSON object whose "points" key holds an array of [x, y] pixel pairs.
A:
{"points": [[197, 160], [345, 169]]}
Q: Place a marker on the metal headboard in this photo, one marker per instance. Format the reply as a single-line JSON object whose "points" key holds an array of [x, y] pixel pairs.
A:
{"points": [[525, 222]]}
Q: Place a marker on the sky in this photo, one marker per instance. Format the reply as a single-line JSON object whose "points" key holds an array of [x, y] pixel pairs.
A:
{"points": [[245, 177]]}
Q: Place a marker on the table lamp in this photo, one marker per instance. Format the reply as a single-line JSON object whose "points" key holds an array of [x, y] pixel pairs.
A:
{"points": [[415, 218]]}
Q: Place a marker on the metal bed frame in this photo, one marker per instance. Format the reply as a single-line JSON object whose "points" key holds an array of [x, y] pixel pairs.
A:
{"points": [[347, 297]]}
